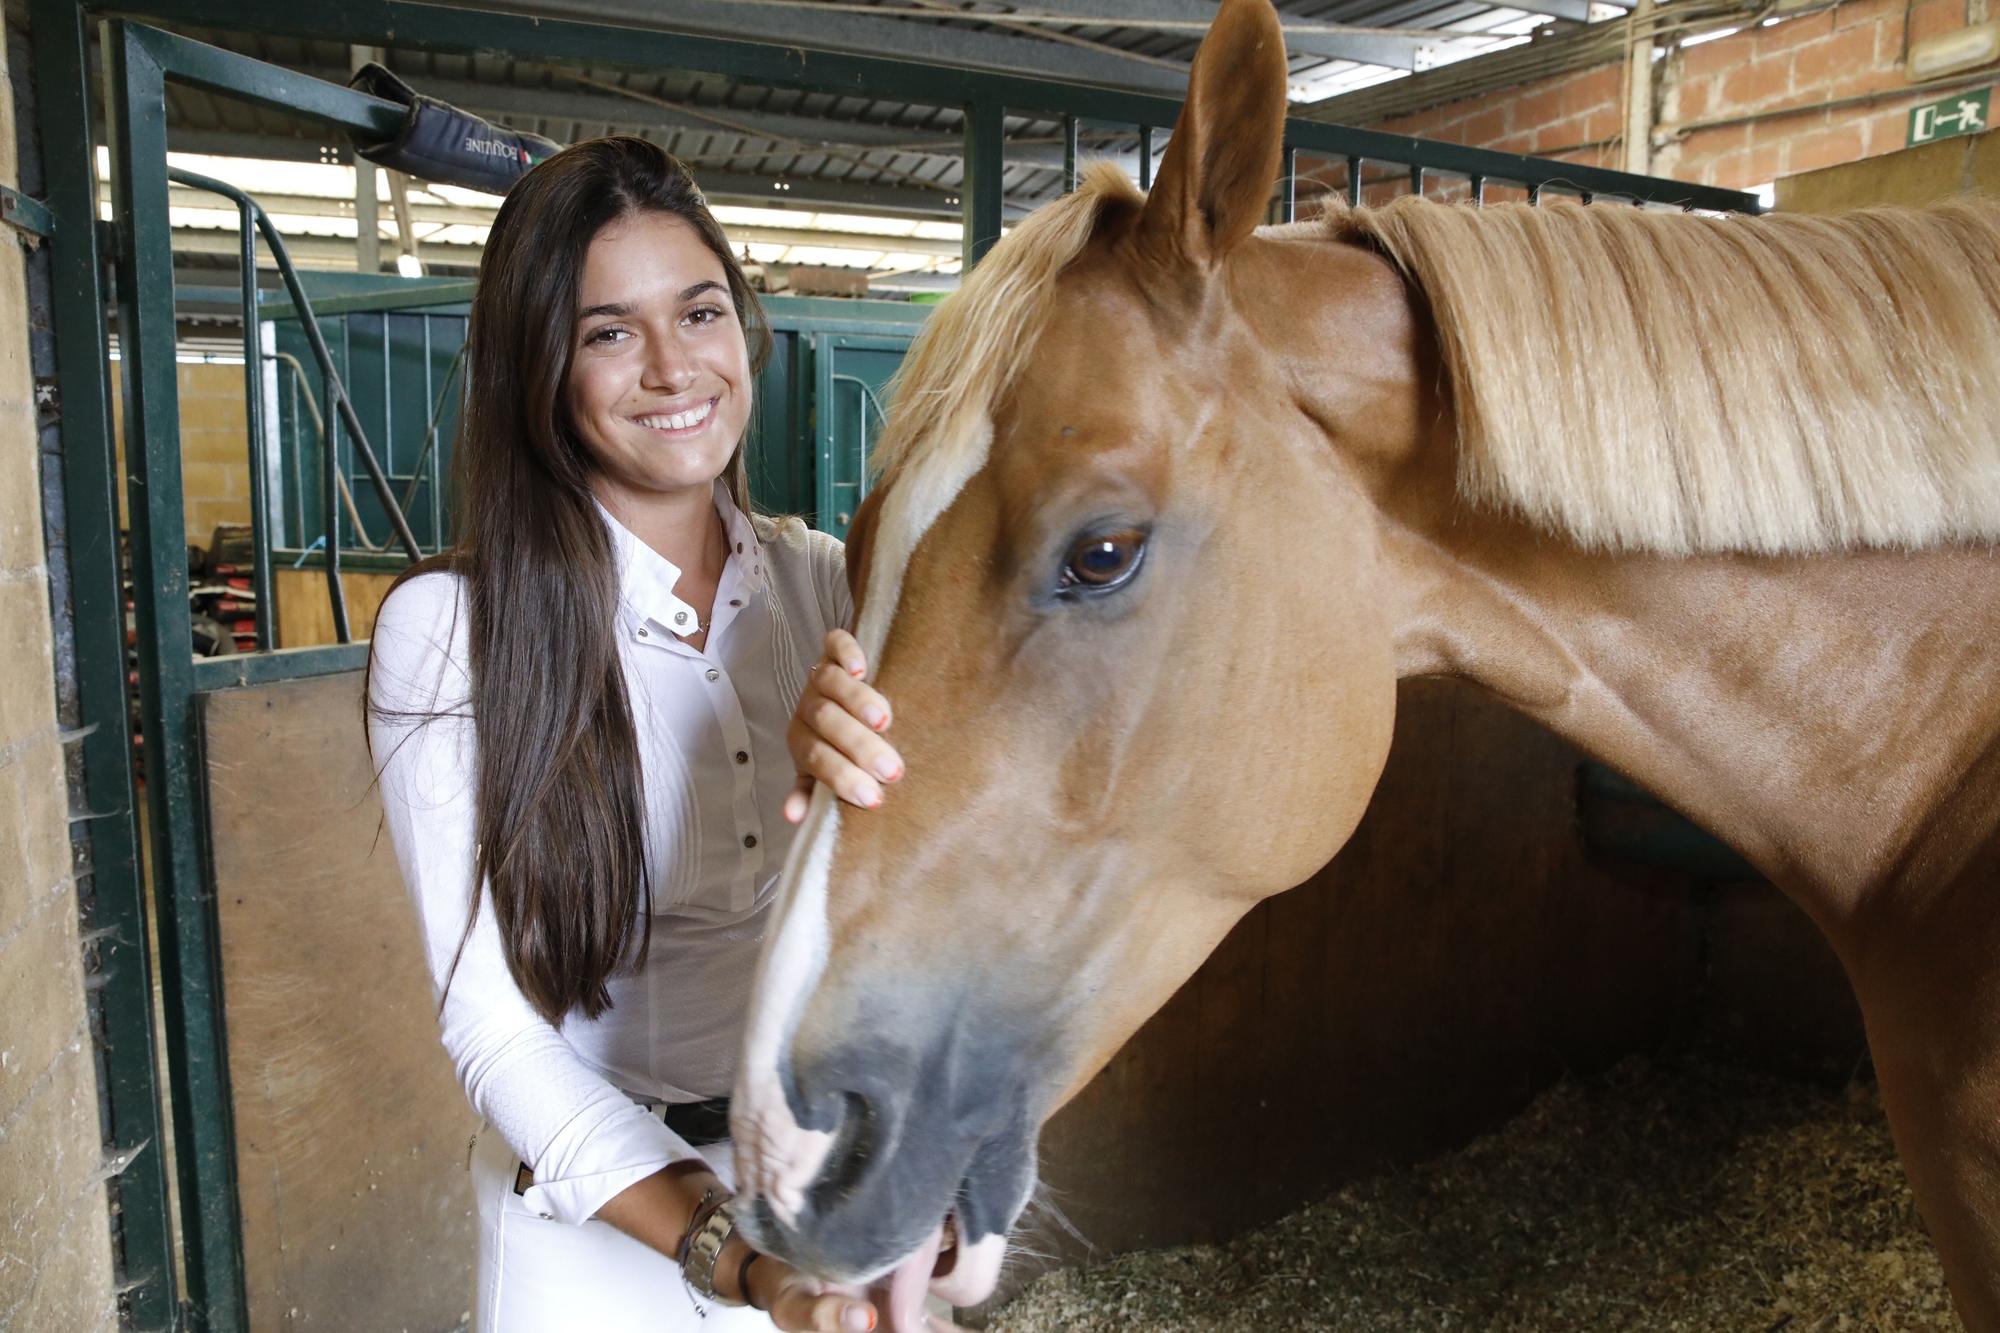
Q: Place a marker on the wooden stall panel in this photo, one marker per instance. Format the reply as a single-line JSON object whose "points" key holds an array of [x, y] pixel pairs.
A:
{"points": [[351, 1135]]}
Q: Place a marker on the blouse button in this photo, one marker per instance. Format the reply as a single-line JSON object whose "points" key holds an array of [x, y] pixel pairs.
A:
{"points": [[736, 601], [742, 756], [680, 617], [749, 840], [712, 674], [642, 631]]}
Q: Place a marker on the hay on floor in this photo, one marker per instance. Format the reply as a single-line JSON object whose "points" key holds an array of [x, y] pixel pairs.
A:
{"points": [[1683, 1194]]}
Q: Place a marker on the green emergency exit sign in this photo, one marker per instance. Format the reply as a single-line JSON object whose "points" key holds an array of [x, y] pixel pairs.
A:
{"points": [[1961, 113]]}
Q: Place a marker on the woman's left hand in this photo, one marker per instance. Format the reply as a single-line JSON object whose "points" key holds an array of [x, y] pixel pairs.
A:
{"points": [[836, 731]]}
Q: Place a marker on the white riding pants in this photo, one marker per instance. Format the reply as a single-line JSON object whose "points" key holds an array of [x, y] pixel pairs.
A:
{"points": [[537, 1275]]}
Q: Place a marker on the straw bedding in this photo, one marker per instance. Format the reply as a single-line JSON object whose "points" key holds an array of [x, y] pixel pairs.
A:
{"points": [[1673, 1194]]}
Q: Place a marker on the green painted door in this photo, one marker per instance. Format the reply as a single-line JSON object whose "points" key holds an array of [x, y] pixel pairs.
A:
{"points": [[853, 371]]}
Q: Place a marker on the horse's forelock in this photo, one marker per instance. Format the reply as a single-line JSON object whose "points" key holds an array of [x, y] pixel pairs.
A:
{"points": [[973, 348]]}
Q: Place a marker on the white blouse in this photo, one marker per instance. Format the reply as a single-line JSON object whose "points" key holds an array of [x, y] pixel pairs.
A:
{"points": [[716, 770]]}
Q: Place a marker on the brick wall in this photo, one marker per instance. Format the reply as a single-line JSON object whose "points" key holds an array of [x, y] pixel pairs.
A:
{"points": [[55, 1240], [1766, 86], [1782, 74]]}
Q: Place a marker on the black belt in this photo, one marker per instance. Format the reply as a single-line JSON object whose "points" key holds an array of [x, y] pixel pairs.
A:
{"points": [[700, 1123]]}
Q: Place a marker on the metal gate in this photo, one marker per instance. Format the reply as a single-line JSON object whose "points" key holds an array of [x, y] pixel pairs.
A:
{"points": [[141, 63]]}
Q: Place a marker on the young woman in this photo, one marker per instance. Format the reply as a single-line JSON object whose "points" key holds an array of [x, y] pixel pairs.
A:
{"points": [[580, 717]]}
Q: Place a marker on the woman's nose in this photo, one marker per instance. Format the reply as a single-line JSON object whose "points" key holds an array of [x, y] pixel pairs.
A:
{"points": [[669, 367]]}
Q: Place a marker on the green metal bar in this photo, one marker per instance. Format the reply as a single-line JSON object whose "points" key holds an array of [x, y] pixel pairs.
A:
{"points": [[190, 963], [242, 78], [1145, 157], [1416, 180], [423, 294], [1354, 165], [141, 1227], [1069, 154], [309, 324], [221, 673], [26, 213], [984, 162], [1288, 184], [253, 416]]}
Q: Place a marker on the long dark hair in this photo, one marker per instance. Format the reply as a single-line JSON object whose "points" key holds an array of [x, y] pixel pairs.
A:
{"points": [[559, 816]]}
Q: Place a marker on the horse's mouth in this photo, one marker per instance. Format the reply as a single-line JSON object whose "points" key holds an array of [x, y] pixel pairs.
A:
{"points": [[958, 1274]]}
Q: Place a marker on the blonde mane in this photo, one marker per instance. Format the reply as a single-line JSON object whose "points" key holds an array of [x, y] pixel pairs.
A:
{"points": [[969, 352], [1679, 384]]}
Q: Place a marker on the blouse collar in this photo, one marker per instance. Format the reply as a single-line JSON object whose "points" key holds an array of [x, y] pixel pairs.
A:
{"points": [[647, 579]]}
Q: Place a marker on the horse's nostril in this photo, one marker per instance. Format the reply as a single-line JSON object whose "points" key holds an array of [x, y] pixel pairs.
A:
{"points": [[854, 1144]]}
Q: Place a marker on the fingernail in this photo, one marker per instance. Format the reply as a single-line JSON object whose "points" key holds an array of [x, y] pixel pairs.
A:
{"points": [[888, 770], [871, 795], [874, 717], [860, 1318], [857, 670]]}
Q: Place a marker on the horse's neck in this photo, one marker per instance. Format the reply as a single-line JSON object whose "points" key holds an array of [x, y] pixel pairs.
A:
{"points": [[1822, 714]]}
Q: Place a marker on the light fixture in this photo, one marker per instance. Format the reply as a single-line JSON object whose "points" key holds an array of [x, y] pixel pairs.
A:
{"points": [[1968, 48], [409, 266]]}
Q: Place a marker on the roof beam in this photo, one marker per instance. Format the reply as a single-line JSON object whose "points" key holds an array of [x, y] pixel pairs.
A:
{"points": [[1368, 49], [466, 215], [892, 38], [722, 187]]}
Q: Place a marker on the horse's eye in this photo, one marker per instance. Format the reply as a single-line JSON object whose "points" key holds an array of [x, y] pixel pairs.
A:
{"points": [[1103, 562]]}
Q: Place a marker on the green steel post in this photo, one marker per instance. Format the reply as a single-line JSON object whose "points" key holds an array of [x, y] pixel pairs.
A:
{"points": [[1145, 157], [190, 971], [985, 165], [1069, 154], [1354, 180], [141, 1228], [253, 416], [1288, 184]]}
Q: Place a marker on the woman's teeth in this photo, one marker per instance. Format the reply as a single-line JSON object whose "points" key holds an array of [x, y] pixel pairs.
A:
{"points": [[694, 416]]}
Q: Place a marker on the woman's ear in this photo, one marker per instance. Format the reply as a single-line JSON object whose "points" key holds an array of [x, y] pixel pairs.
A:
{"points": [[1215, 183]]}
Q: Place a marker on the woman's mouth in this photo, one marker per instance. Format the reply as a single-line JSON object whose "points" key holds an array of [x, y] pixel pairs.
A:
{"points": [[679, 423]]}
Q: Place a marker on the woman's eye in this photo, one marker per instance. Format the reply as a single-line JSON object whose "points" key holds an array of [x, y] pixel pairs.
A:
{"points": [[1104, 561], [604, 337], [707, 314]]}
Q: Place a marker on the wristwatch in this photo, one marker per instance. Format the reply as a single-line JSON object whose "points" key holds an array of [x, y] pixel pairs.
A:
{"points": [[704, 1247]]}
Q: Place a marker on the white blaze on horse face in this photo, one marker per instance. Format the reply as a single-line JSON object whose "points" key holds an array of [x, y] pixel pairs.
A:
{"points": [[776, 1157]]}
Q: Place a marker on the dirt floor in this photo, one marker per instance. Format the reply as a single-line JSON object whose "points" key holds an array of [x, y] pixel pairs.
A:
{"points": [[1680, 1194]]}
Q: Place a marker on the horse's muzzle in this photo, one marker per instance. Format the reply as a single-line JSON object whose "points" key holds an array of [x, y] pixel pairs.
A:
{"points": [[914, 1139]]}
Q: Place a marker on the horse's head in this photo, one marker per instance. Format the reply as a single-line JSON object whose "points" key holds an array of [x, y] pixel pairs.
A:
{"points": [[1117, 586]]}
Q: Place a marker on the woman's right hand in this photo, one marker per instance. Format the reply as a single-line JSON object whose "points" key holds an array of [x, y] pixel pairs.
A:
{"points": [[836, 731]]}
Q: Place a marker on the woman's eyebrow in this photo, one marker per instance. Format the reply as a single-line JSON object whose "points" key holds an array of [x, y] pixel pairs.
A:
{"points": [[619, 310]]}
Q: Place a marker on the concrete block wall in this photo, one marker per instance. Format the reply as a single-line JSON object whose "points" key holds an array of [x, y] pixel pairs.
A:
{"points": [[215, 460], [55, 1239], [215, 464], [1738, 111]]}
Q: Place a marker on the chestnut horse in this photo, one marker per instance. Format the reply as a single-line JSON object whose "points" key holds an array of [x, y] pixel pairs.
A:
{"points": [[1168, 504]]}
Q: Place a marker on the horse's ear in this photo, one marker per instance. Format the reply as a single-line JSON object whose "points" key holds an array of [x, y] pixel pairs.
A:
{"points": [[1215, 183]]}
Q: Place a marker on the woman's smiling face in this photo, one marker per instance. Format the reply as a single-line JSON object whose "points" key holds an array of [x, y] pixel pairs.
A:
{"points": [[659, 382]]}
